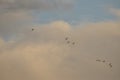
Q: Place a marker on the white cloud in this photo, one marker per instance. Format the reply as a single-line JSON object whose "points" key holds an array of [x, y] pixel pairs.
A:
{"points": [[116, 12]]}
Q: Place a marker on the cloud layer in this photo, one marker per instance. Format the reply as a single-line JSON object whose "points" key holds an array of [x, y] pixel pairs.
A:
{"points": [[43, 54], [35, 4]]}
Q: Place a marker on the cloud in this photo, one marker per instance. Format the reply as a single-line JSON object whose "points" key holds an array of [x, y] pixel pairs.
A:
{"points": [[114, 11], [35, 4], [9, 22], [43, 54]]}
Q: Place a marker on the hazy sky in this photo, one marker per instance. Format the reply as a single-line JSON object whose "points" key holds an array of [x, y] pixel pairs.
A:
{"points": [[44, 54]]}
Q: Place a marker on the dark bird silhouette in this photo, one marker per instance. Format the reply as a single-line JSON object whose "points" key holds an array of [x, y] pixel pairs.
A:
{"points": [[32, 29], [66, 38], [98, 60], [110, 65], [103, 61], [73, 43]]}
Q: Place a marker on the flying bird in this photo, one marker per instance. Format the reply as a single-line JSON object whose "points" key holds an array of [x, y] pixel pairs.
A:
{"points": [[103, 61], [98, 60], [110, 65], [32, 29], [66, 38], [73, 43]]}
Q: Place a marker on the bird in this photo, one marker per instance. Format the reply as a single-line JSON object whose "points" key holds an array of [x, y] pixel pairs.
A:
{"points": [[98, 60], [73, 43], [66, 38], [32, 29], [110, 65]]}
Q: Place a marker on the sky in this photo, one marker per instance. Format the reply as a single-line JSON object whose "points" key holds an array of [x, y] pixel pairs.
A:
{"points": [[45, 54]]}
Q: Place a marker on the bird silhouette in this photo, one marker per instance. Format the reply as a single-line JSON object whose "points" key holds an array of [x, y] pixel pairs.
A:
{"points": [[98, 60], [73, 43], [66, 38], [32, 29], [103, 61], [110, 65]]}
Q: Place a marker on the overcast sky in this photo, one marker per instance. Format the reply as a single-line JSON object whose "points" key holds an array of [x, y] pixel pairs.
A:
{"points": [[45, 54]]}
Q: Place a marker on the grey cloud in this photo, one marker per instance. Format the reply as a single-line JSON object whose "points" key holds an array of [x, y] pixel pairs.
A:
{"points": [[35, 4], [9, 22]]}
